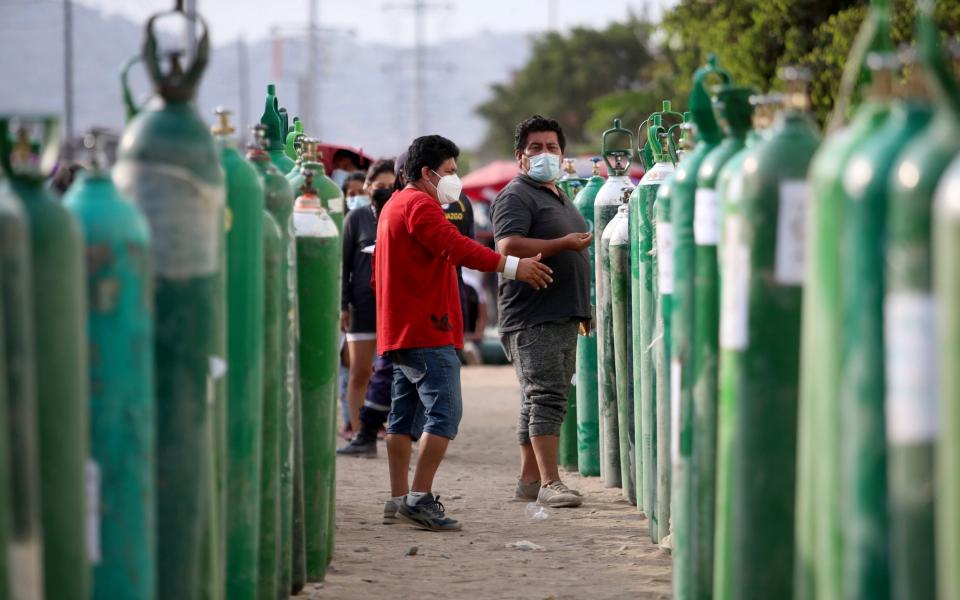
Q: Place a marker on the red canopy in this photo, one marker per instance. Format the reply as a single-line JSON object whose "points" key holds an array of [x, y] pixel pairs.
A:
{"points": [[329, 150], [486, 182]]}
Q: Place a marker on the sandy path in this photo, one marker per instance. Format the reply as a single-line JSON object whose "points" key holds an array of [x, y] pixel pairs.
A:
{"points": [[600, 551]]}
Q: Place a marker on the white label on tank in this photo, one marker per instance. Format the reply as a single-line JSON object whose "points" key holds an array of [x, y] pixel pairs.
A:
{"points": [[735, 300], [665, 257], [335, 205], [706, 217], [657, 174], [92, 485], [792, 232], [185, 214], [675, 372], [911, 407]]}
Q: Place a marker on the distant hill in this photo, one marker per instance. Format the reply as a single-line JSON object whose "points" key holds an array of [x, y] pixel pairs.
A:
{"points": [[365, 94]]}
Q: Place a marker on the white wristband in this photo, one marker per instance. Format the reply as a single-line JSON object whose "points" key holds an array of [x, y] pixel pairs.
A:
{"points": [[510, 267]]}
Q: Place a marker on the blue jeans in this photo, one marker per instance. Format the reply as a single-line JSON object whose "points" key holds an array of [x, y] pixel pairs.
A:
{"points": [[426, 392]]}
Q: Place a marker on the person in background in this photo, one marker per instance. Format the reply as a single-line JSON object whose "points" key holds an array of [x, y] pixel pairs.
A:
{"points": [[358, 309], [343, 162], [538, 329], [355, 192], [419, 322]]}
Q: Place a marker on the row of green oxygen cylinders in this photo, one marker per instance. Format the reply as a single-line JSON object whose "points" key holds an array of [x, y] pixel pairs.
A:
{"points": [[773, 377], [168, 356]]}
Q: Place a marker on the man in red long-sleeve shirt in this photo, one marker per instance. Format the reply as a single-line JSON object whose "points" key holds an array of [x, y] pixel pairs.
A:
{"points": [[419, 322]]}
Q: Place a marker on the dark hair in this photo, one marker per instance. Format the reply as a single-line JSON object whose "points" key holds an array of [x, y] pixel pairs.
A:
{"points": [[350, 179], [534, 124], [429, 151], [384, 165]]}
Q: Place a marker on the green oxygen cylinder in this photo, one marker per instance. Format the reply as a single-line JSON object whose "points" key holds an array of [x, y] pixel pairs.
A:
{"points": [[290, 148], [169, 166], [120, 325], [331, 196], [819, 536], [274, 290], [643, 312], [760, 340], [605, 207], [279, 203], [245, 311], [588, 416], [864, 518], [571, 185], [735, 113], [912, 419], [946, 234], [663, 278], [25, 544], [275, 136], [682, 207], [318, 277], [60, 328], [730, 190], [616, 240], [6, 491]]}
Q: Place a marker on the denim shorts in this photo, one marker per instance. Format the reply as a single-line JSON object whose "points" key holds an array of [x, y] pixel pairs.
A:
{"points": [[425, 396]]}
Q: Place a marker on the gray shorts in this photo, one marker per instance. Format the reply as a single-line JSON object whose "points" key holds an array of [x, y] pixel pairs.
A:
{"points": [[545, 358]]}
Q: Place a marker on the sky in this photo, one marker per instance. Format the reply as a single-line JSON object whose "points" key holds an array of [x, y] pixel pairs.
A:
{"points": [[391, 21]]}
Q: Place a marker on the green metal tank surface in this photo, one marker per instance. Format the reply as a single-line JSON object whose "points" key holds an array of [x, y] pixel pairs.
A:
{"points": [[290, 148], [275, 136], [820, 478], [331, 196], [864, 516], [912, 403], [318, 276], [682, 372], [60, 329], [663, 295], [605, 207], [279, 203], [120, 326], [245, 313], [588, 416], [762, 276], [25, 544], [617, 242], [168, 165], [733, 107], [274, 321], [946, 235]]}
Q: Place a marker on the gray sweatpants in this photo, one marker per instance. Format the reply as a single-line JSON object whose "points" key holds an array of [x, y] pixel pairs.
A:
{"points": [[545, 358]]}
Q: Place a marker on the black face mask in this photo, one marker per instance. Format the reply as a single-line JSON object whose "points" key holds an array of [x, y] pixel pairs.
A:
{"points": [[379, 198]]}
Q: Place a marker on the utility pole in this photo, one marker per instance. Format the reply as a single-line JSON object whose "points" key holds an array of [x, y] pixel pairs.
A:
{"points": [[243, 82], [308, 86], [68, 77], [419, 8]]}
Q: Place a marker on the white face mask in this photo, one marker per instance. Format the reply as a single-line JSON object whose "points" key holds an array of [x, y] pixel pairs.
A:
{"points": [[448, 188], [339, 176], [356, 202]]}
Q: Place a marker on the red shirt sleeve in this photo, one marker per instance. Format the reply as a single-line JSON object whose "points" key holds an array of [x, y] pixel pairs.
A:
{"points": [[429, 226]]}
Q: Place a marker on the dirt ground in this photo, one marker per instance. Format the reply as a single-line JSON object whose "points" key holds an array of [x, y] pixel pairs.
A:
{"points": [[599, 551]]}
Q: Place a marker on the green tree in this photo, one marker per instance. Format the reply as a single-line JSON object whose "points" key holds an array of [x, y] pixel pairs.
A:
{"points": [[565, 74]]}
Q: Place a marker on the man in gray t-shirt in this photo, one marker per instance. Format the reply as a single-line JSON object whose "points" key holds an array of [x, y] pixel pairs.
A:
{"points": [[538, 328]]}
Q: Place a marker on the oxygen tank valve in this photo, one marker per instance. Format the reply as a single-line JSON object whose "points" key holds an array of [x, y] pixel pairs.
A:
{"points": [[568, 167], [596, 166], [223, 127], [798, 88], [625, 193], [94, 141], [259, 134]]}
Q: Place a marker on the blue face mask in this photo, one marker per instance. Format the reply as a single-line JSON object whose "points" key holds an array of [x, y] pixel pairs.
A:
{"points": [[545, 167], [356, 202], [339, 176]]}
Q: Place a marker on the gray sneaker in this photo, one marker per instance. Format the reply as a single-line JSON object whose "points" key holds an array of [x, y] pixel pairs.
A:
{"points": [[526, 491], [428, 513], [558, 495], [359, 447], [390, 508]]}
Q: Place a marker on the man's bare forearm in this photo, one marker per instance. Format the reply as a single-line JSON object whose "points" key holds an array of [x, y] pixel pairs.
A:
{"points": [[523, 247]]}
